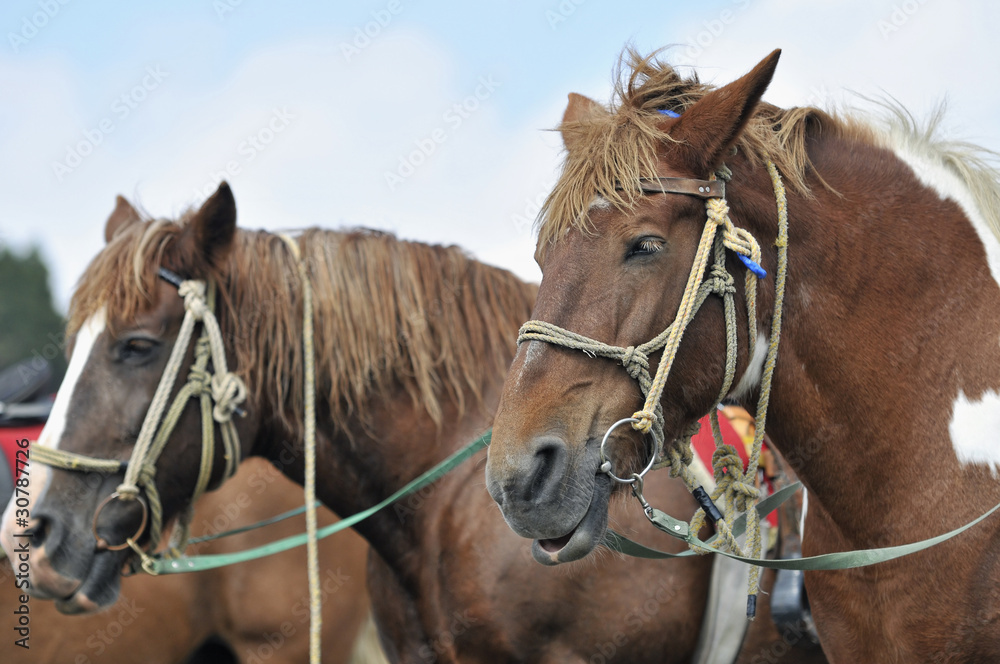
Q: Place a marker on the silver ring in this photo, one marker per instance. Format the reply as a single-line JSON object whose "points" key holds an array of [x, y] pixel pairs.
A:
{"points": [[606, 463]]}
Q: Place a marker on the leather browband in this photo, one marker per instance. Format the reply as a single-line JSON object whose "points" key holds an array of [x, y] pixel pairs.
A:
{"points": [[688, 186]]}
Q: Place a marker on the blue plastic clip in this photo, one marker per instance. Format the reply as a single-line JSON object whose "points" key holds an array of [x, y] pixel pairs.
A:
{"points": [[667, 112], [753, 267]]}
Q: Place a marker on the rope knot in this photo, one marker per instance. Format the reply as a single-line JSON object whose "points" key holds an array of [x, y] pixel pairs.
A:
{"points": [[722, 281], [645, 422], [727, 465], [128, 491], [193, 293], [200, 379], [228, 392], [745, 495], [718, 210], [634, 361]]}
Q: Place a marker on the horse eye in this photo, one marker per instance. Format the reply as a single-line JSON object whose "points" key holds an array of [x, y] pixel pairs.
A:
{"points": [[644, 246], [136, 348]]}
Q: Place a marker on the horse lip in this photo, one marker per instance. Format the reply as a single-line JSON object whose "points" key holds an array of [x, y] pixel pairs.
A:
{"points": [[584, 537], [99, 588], [76, 604]]}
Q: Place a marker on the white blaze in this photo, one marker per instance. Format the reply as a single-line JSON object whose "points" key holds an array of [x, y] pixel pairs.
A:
{"points": [[56, 424]]}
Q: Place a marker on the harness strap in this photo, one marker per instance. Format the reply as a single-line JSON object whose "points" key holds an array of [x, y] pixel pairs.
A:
{"points": [[698, 188], [826, 561], [212, 561]]}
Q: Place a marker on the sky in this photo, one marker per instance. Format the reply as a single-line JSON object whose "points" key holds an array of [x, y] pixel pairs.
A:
{"points": [[431, 120]]}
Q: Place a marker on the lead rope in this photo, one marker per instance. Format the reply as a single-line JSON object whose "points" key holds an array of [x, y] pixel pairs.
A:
{"points": [[312, 545], [738, 488]]}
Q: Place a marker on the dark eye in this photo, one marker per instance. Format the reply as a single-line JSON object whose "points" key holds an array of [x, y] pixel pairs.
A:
{"points": [[136, 350], [644, 246]]}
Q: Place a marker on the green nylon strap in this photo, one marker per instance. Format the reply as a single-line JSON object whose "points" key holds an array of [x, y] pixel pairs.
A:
{"points": [[206, 562], [826, 561], [254, 526]]}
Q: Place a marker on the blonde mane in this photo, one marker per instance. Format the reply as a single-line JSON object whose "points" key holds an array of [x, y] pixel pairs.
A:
{"points": [[621, 143], [389, 314]]}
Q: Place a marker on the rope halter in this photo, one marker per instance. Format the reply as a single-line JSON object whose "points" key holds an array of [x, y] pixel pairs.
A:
{"points": [[219, 392], [736, 487]]}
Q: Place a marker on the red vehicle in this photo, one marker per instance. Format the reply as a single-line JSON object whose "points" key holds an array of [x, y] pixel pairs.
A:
{"points": [[23, 411]]}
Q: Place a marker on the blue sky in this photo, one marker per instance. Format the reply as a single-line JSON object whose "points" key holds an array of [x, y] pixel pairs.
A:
{"points": [[314, 125]]}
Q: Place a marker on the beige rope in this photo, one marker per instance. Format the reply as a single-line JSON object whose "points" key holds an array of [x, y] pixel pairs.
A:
{"points": [[312, 544]]}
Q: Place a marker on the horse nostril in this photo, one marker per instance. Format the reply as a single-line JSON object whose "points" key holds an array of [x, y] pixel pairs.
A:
{"points": [[548, 466], [38, 531]]}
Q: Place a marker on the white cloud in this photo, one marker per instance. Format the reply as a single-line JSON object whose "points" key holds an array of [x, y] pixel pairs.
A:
{"points": [[326, 134], [353, 122]]}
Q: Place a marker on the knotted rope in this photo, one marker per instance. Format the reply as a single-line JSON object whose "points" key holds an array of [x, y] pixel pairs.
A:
{"points": [[737, 488]]}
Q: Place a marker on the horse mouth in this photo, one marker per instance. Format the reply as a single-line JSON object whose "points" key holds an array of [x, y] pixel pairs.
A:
{"points": [[584, 537], [98, 590]]}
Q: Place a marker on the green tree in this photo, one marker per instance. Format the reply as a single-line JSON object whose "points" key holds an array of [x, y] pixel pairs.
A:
{"points": [[30, 326]]}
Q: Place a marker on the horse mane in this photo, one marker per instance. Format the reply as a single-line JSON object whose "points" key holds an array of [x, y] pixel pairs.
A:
{"points": [[388, 314], [620, 144]]}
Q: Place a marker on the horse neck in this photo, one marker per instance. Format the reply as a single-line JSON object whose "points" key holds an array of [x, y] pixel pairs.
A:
{"points": [[359, 465], [890, 312]]}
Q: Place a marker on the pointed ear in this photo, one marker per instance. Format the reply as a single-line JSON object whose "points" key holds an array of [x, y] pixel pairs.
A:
{"points": [[713, 124], [578, 111], [122, 216], [208, 235]]}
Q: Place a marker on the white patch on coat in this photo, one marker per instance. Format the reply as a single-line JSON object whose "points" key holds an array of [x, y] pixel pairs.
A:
{"points": [[936, 175], [975, 430], [599, 203], [531, 353], [751, 377], [805, 510]]}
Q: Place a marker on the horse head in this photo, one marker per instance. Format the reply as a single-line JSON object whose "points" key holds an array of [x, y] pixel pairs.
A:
{"points": [[74, 527], [615, 259]]}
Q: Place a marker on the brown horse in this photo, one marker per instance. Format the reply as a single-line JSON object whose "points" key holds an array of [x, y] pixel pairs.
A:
{"points": [[258, 610], [412, 349], [885, 394]]}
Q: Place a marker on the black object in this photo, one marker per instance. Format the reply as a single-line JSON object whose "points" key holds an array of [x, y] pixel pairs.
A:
{"points": [[712, 512]]}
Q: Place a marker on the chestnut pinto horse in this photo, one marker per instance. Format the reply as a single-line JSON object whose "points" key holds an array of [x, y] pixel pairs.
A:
{"points": [[411, 354], [886, 392]]}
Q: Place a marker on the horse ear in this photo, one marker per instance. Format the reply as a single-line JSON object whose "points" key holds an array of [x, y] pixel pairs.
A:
{"points": [[208, 235], [578, 111], [713, 125], [123, 215]]}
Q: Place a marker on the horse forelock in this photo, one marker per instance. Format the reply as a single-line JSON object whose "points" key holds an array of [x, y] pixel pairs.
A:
{"points": [[623, 143], [388, 314], [122, 277]]}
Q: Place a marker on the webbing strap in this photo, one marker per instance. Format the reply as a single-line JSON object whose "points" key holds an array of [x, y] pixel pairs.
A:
{"points": [[826, 561], [212, 561]]}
